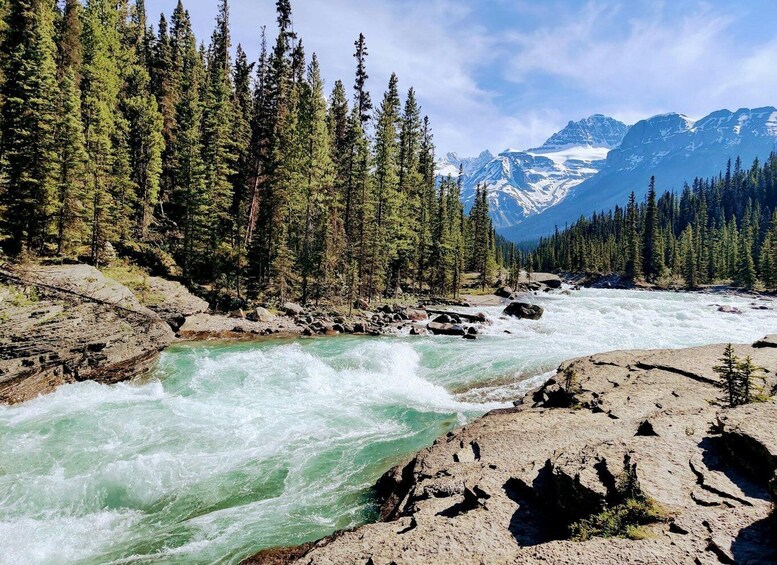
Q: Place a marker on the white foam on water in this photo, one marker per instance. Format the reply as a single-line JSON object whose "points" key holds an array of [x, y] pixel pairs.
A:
{"points": [[238, 447]]}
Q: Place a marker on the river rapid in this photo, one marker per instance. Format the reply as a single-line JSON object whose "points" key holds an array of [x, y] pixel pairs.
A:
{"points": [[231, 448]]}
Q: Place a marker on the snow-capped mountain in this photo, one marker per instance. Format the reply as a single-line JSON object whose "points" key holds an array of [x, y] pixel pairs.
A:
{"points": [[673, 148], [525, 183], [449, 165]]}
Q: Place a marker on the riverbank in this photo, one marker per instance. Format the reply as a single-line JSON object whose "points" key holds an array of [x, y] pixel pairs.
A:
{"points": [[507, 487], [68, 323]]}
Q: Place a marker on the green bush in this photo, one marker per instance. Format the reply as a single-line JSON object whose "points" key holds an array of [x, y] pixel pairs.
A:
{"points": [[625, 520]]}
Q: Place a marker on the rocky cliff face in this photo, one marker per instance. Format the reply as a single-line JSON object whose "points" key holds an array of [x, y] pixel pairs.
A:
{"points": [[70, 323], [507, 487]]}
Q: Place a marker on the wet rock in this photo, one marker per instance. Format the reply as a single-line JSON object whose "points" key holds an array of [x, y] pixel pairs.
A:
{"points": [[438, 328], [768, 341], [524, 310], [443, 319], [729, 309], [504, 292], [416, 315]]}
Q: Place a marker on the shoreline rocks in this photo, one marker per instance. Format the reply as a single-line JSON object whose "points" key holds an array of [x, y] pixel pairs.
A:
{"points": [[507, 487]]}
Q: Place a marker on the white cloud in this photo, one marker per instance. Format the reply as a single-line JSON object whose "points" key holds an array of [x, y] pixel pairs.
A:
{"points": [[491, 81], [653, 64]]}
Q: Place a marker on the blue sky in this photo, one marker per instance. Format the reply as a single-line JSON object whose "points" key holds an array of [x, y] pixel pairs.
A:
{"points": [[493, 74]]}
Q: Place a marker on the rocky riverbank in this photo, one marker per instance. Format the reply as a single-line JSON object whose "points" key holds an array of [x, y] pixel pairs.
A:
{"points": [[644, 432], [66, 323]]}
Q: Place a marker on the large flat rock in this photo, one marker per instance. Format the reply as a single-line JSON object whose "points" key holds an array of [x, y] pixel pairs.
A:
{"points": [[502, 489], [70, 323]]}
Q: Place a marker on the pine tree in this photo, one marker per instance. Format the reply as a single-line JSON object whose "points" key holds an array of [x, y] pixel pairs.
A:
{"points": [[634, 250], [187, 200], [385, 237], [145, 144], [100, 86], [652, 249], [71, 163], [363, 102], [689, 259], [728, 371], [745, 271], [219, 155], [28, 122], [320, 245]]}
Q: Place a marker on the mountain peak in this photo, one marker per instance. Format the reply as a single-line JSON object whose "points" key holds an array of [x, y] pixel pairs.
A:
{"points": [[596, 130]]}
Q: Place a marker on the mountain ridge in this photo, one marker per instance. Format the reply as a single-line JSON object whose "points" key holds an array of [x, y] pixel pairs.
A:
{"points": [[534, 191]]}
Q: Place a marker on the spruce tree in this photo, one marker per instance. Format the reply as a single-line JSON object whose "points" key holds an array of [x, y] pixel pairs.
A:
{"points": [[652, 248], [71, 164], [28, 123]]}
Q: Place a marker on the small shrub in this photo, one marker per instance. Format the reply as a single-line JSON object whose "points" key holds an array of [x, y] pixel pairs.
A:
{"points": [[740, 378], [624, 520], [626, 517]]}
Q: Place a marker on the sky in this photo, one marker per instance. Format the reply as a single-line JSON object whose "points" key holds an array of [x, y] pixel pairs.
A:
{"points": [[493, 74]]}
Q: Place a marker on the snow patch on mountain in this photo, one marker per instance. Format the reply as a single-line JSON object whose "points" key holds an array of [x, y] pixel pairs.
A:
{"points": [[672, 147], [525, 183]]}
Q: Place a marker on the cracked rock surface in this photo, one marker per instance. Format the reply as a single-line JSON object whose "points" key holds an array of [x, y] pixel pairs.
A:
{"points": [[68, 323], [505, 488]]}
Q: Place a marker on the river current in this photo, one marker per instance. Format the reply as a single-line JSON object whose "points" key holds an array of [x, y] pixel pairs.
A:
{"points": [[230, 448]]}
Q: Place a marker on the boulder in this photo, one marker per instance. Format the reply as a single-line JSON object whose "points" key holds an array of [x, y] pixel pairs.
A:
{"points": [[438, 328], [418, 329], [504, 292], [553, 283], [729, 309], [172, 301], [443, 319], [524, 310], [416, 315], [81, 325], [293, 309], [260, 314], [361, 304]]}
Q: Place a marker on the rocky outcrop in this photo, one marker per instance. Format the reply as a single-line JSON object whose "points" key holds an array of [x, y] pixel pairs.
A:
{"points": [[506, 488], [62, 324], [173, 302]]}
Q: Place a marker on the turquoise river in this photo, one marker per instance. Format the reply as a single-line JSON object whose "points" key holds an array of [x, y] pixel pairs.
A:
{"points": [[230, 448]]}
